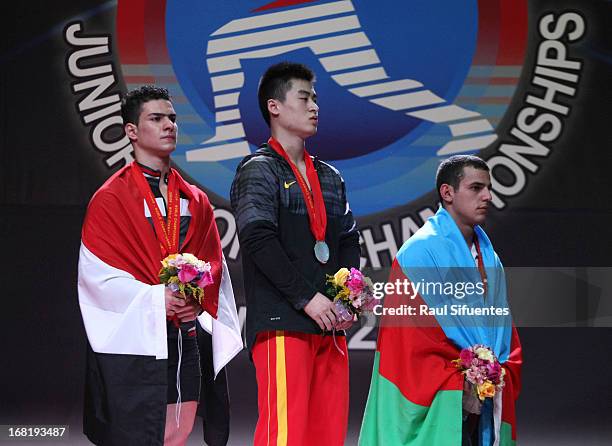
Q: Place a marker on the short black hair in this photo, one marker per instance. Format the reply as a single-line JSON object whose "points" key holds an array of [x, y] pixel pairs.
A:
{"points": [[131, 104], [276, 82], [450, 171]]}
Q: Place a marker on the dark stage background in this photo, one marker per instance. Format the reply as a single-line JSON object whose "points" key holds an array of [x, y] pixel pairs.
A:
{"points": [[49, 170]]}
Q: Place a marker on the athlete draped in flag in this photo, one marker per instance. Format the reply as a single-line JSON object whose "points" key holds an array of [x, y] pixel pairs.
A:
{"points": [[142, 214], [418, 396], [294, 226]]}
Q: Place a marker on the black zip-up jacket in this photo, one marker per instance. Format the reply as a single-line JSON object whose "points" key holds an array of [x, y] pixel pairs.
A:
{"points": [[281, 274]]}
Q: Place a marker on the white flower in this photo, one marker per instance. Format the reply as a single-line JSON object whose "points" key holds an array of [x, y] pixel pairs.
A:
{"points": [[484, 354], [190, 258]]}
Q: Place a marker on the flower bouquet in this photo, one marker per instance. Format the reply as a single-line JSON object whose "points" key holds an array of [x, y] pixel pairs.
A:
{"points": [[352, 292], [481, 369], [186, 274]]}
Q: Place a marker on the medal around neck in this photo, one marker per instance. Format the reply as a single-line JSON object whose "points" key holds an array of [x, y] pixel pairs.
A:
{"points": [[321, 251]]}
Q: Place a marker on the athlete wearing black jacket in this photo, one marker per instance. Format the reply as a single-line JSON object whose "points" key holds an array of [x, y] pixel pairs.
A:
{"points": [[281, 273], [294, 226]]}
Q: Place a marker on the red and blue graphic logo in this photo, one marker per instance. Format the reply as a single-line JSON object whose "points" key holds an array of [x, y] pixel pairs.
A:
{"points": [[401, 85]]}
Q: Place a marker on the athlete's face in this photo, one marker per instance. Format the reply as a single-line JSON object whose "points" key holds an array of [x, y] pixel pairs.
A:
{"points": [[469, 202], [156, 131], [298, 114]]}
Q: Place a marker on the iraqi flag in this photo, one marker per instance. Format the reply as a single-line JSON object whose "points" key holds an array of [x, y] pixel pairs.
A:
{"points": [[123, 307]]}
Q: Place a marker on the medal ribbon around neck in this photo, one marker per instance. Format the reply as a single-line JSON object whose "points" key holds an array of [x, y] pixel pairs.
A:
{"points": [[481, 268], [315, 205], [167, 232]]}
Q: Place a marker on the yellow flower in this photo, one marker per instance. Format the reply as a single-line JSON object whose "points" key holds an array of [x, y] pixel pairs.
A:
{"points": [[486, 390], [484, 353], [341, 276], [167, 259], [343, 294]]}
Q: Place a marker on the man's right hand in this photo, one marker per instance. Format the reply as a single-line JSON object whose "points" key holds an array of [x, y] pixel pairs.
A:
{"points": [[173, 303], [322, 311]]}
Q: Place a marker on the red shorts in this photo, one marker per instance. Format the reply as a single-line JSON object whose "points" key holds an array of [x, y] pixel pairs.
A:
{"points": [[302, 387]]}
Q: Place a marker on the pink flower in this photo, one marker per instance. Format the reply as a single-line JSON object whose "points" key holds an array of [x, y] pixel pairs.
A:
{"points": [[355, 281], [472, 375], [356, 274], [494, 371], [466, 357], [475, 375], [187, 273], [206, 279]]}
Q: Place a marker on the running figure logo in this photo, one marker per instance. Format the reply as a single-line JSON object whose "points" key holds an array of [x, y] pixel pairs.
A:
{"points": [[334, 27]]}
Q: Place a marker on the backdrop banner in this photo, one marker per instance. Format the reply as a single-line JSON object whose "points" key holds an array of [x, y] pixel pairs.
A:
{"points": [[401, 85]]}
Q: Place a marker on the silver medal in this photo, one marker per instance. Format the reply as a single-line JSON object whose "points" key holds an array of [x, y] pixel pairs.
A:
{"points": [[321, 251]]}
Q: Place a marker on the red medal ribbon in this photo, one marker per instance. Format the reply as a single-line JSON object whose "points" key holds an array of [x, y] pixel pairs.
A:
{"points": [[315, 205], [167, 231], [481, 268]]}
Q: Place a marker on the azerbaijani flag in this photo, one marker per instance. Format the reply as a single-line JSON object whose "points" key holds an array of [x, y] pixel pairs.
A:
{"points": [[416, 391]]}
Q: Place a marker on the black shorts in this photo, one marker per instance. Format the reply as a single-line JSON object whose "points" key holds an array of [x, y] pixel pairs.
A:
{"points": [[190, 364]]}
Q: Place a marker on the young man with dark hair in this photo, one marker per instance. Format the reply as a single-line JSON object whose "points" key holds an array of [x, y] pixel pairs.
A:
{"points": [[143, 364], [294, 227], [463, 183], [452, 170], [417, 394]]}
